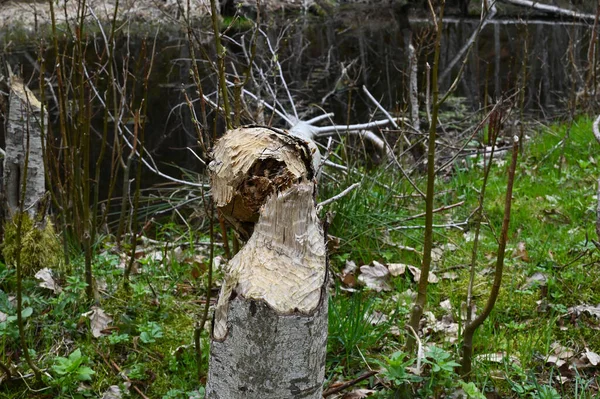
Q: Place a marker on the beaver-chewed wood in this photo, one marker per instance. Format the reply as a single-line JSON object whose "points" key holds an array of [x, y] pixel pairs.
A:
{"points": [[269, 333]]}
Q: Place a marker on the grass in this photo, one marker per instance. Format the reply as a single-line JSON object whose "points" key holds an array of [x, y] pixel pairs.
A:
{"points": [[150, 340], [554, 216]]}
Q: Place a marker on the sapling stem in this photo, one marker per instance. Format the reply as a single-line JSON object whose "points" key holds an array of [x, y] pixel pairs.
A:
{"points": [[421, 299], [471, 327]]}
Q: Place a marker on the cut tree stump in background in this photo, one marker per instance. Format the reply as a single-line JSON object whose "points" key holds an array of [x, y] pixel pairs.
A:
{"points": [[269, 335], [23, 138]]}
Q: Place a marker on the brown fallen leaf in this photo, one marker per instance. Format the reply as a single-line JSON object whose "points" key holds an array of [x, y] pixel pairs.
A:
{"points": [[416, 272], [589, 309], [99, 320], [520, 252], [45, 275], [397, 269], [348, 276], [375, 277], [113, 392], [537, 279], [450, 276], [561, 351], [592, 357]]}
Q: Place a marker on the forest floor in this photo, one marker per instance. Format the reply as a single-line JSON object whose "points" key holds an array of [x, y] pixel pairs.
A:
{"points": [[541, 341]]}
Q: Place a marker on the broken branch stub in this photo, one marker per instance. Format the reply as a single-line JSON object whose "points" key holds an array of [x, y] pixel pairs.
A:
{"points": [[270, 326]]}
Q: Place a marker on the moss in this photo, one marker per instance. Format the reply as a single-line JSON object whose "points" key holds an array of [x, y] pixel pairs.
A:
{"points": [[40, 246]]}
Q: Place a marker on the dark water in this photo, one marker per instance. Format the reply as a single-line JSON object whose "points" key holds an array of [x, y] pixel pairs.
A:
{"points": [[327, 61]]}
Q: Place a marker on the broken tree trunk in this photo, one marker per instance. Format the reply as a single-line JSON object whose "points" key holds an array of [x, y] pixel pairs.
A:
{"points": [[23, 162], [269, 333]]}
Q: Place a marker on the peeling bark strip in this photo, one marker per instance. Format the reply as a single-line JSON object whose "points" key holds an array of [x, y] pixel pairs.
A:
{"points": [[270, 325], [23, 125]]}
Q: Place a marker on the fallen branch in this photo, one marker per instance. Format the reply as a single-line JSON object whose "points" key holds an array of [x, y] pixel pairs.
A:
{"points": [[536, 5], [350, 383], [320, 205], [440, 209]]}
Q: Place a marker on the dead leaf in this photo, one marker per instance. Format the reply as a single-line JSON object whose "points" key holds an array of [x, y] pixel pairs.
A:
{"points": [[113, 392], [358, 394], [562, 352], [376, 318], [450, 276], [416, 272], [538, 278], [3, 317], [437, 254], [350, 267], [589, 309], [397, 269], [552, 359], [45, 275], [593, 357], [446, 305], [98, 320], [375, 277], [348, 274], [521, 252]]}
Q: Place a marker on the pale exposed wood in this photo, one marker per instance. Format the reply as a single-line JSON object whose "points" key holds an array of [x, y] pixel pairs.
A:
{"points": [[269, 333], [283, 262], [23, 138]]}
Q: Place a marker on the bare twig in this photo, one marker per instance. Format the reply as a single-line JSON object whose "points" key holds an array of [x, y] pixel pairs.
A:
{"points": [[320, 205], [350, 383]]}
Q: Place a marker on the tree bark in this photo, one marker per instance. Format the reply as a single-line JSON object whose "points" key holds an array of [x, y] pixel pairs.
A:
{"points": [[23, 143], [269, 333]]}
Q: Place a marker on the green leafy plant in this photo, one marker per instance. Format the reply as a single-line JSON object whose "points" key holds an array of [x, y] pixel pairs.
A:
{"points": [[150, 332], [442, 373], [70, 371], [471, 390], [116, 338]]}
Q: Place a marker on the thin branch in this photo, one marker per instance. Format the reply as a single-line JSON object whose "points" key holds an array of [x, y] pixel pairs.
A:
{"points": [[350, 383], [536, 5], [320, 205]]}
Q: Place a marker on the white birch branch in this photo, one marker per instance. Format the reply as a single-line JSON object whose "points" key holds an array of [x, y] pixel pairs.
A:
{"points": [[536, 5]]}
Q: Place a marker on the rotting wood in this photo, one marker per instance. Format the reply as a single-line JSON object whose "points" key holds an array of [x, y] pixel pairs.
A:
{"points": [[269, 333]]}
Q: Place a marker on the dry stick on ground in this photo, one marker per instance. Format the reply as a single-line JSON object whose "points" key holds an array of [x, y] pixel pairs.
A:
{"points": [[440, 209], [421, 299], [470, 328], [350, 383]]}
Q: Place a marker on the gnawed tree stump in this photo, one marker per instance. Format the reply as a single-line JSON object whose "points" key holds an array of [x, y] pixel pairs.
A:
{"points": [[29, 238], [269, 333], [23, 142]]}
